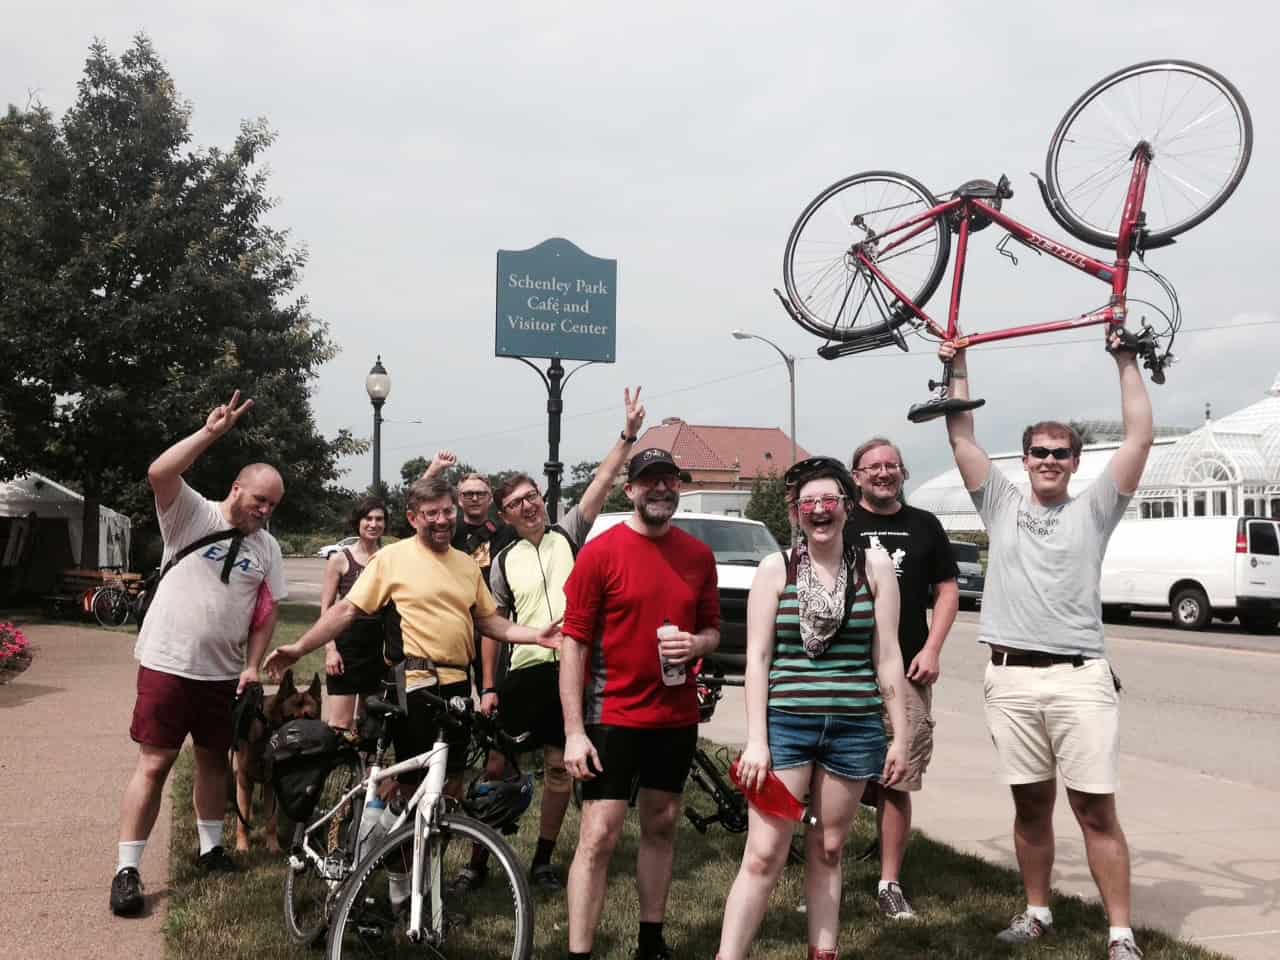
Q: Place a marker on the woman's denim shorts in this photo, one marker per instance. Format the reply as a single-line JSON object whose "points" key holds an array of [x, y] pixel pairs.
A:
{"points": [[852, 747]]}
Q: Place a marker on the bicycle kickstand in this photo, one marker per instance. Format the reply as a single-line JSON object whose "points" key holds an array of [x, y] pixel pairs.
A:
{"points": [[943, 403]]}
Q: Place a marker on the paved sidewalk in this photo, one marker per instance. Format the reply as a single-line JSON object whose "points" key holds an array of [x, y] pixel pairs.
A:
{"points": [[65, 756], [1205, 850]]}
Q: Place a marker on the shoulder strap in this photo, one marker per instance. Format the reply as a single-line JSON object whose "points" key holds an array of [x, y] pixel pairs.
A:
{"points": [[236, 538]]}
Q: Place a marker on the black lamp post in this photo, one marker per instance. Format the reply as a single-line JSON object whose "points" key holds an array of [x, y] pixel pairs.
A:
{"points": [[378, 385]]}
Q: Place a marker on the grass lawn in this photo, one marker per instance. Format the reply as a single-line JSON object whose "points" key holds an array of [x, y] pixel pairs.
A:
{"points": [[962, 901]]}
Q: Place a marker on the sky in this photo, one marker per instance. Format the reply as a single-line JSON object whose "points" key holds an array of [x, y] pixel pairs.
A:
{"points": [[415, 140]]}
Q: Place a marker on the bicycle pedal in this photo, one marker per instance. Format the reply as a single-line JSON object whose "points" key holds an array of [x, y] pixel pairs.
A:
{"points": [[940, 407]]}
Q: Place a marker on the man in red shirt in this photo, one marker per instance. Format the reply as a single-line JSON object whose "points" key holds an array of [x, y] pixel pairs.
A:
{"points": [[623, 718]]}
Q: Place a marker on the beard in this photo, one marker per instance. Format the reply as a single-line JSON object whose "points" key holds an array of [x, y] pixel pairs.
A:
{"points": [[656, 511]]}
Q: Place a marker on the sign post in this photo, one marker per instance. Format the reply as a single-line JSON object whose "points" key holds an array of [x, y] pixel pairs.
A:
{"points": [[557, 302]]}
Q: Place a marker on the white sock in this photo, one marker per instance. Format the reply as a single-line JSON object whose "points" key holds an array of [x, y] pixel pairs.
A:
{"points": [[130, 854], [1043, 914], [1120, 933], [884, 885], [210, 832]]}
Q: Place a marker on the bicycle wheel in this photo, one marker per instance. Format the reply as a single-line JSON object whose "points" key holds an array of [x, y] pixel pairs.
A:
{"points": [[493, 920], [835, 294], [308, 896], [111, 606], [709, 777], [1200, 135]]}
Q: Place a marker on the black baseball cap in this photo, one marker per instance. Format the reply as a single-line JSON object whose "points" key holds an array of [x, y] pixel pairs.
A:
{"points": [[654, 459]]}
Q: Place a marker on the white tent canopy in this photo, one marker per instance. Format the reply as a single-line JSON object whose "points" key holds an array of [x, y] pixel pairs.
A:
{"points": [[34, 494]]}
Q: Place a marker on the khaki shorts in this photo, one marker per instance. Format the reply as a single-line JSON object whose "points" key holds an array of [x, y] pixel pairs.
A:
{"points": [[1061, 719], [918, 698]]}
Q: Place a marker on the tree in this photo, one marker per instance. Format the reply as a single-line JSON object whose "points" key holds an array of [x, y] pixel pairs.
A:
{"points": [[141, 286], [768, 504], [580, 476]]}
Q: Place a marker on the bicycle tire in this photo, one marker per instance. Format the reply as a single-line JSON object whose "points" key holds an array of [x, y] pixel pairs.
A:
{"points": [[1090, 208], [111, 606], [828, 293], [308, 897], [476, 921]]}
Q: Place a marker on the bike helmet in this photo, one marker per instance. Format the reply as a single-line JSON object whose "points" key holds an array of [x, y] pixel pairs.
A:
{"points": [[499, 803]]}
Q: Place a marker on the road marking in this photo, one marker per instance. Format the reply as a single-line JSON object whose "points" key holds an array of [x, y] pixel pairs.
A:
{"points": [[1188, 645]]}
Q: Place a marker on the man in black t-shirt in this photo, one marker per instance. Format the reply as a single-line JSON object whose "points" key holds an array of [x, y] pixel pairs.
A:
{"points": [[921, 555]]}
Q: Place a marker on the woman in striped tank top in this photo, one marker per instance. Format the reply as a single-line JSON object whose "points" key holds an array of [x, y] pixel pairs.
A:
{"points": [[822, 664]]}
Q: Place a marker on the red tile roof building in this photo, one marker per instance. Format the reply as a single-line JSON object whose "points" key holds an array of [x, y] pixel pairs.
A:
{"points": [[722, 458]]}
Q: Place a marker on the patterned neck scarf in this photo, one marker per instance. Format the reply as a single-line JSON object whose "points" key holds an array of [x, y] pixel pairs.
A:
{"points": [[821, 611]]}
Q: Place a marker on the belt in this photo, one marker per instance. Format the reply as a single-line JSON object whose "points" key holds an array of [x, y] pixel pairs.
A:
{"points": [[426, 663], [1003, 657]]}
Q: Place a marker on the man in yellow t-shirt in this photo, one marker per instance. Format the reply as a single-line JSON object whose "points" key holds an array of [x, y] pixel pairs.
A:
{"points": [[441, 598]]}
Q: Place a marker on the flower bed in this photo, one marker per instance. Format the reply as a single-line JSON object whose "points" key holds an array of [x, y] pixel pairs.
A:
{"points": [[15, 651]]}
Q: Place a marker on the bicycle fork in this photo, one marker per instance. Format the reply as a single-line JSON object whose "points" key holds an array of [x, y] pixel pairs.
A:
{"points": [[427, 853]]}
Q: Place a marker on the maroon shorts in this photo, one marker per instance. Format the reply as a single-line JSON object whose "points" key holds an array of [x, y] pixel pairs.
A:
{"points": [[170, 707]]}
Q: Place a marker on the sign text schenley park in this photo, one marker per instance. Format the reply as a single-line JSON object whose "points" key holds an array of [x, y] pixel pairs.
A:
{"points": [[556, 301]]}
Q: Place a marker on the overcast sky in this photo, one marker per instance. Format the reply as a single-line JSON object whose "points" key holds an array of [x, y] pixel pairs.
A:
{"points": [[682, 140]]}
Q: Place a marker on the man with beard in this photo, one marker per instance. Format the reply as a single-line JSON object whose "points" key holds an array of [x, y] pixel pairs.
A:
{"points": [[441, 599], [1052, 700], [191, 650], [528, 581], [478, 536], [622, 719], [921, 555]]}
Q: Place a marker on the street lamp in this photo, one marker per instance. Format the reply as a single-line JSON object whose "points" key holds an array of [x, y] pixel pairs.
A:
{"points": [[378, 386], [790, 361]]}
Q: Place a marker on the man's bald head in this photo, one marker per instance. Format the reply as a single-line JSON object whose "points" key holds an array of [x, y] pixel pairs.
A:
{"points": [[254, 496]]}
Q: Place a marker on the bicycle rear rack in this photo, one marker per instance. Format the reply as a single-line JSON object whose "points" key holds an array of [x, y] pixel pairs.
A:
{"points": [[831, 351]]}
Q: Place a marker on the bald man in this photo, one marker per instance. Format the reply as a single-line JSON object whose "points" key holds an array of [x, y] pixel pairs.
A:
{"points": [[192, 650]]}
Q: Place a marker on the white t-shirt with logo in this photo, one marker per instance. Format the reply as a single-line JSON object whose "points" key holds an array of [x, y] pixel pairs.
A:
{"points": [[198, 626]]}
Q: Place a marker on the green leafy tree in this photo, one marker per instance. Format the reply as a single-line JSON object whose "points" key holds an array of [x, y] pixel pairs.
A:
{"points": [[141, 286], [580, 477], [768, 504]]}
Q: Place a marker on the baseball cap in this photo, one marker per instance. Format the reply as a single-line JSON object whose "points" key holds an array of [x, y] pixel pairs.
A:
{"points": [[654, 459]]}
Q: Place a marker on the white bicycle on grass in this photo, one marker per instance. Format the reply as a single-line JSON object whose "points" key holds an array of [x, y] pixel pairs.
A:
{"points": [[397, 900]]}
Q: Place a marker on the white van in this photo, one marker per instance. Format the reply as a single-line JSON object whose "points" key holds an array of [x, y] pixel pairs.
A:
{"points": [[1197, 568]]}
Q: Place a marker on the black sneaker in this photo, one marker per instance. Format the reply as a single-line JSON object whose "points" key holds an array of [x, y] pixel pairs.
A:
{"points": [[468, 879], [546, 877], [663, 952], [893, 903], [126, 892], [217, 860]]}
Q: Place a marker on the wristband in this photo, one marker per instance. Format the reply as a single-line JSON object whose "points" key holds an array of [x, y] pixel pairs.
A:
{"points": [[488, 690], [627, 437]]}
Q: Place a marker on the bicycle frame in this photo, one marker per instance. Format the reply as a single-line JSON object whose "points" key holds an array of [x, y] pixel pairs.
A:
{"points": [[1115, 274]]}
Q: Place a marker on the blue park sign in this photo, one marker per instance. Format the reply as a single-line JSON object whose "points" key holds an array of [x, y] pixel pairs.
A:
{"points": [[556, 301]]}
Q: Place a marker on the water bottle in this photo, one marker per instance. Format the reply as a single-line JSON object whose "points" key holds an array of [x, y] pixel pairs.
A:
{"points": [[773, 798], [672, 673], [397, 882], [371, 823]]}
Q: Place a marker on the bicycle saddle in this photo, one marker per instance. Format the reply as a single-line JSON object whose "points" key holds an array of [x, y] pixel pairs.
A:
{"points": [[940, 407]]}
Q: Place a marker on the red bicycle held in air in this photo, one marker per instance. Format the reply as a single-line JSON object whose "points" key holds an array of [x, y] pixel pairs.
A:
{"points": [[1142, 156]]}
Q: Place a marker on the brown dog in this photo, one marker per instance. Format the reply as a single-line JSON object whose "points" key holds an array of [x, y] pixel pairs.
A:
{"points": [[287, 703]]}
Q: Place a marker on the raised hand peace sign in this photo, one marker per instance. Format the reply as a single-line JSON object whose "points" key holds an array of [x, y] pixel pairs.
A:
{"points": [[223, 417], [634, 411]]}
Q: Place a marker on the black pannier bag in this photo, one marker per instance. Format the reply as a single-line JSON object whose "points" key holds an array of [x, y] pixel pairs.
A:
{"points": [[300, 755]]}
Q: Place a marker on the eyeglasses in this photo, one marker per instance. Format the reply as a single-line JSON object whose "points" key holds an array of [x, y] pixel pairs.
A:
{"points": [[532, 498], [652, 479], [1044, 453], [879, 468], [829, 502], [474, 494], [445, 513]]}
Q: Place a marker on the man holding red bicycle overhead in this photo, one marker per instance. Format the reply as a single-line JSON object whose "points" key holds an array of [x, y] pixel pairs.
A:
{"points": [[1052, 700]]}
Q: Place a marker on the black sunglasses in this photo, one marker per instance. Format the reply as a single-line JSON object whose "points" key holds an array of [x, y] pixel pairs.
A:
{"points": [[1044, 453]]}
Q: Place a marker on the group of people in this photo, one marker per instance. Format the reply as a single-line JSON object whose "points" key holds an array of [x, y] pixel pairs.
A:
{"points": [[591, 648]]}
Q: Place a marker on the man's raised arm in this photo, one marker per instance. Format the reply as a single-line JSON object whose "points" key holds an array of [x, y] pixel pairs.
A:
{"points": [[1139, 432], [165, 473], [972, 460], [597, 491]]}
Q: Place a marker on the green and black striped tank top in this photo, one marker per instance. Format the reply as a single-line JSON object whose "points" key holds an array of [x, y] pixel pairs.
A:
{"points": [[840, 681]]}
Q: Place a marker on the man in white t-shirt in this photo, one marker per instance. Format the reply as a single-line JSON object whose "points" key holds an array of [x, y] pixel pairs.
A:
{"points": [[204, 636]]}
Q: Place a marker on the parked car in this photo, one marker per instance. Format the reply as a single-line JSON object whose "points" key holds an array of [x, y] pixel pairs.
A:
{"points": [[970, 578], [1197, 568], [333, 548], [739, 545]]}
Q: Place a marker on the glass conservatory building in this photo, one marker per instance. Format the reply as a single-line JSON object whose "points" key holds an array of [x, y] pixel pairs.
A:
{"points": [[1225, 467]]}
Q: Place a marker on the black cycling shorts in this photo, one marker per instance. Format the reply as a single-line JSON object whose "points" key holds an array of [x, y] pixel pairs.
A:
{"points": [[659, 758], [529, 700], [417, 734]]}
